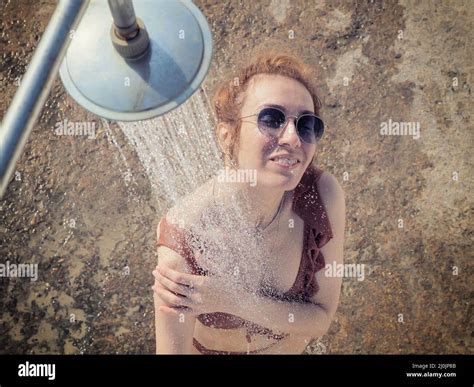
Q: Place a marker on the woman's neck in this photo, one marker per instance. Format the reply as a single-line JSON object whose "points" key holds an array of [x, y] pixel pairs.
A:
{"points": [[259, 206]]}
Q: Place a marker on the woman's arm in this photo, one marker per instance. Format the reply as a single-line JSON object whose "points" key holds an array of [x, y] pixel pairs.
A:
{"points": [[174, 333], [209, 295], [309, 319]]}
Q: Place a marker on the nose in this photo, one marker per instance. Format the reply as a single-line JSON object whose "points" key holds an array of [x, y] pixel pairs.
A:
{"points": [[289, 134]]}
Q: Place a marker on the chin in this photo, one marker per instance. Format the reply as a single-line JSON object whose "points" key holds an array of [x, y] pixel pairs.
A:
{"points": [[281, 180]]}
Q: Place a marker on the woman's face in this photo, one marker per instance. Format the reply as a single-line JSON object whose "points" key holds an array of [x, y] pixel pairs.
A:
{"points": [[257, 151]]}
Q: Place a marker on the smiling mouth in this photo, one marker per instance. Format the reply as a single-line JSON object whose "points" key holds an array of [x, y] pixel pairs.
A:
{"points": [[285, 161]]}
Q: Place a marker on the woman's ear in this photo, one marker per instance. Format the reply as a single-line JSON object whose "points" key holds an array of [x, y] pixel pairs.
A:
{"points": [[224, 137]]}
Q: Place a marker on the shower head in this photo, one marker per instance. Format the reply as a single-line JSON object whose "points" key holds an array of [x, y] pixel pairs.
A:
{"points": [[134, 68]]}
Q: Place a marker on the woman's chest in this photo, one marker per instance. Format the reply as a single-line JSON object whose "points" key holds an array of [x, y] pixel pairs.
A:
{"points": [[281, 266], [271, 259]]}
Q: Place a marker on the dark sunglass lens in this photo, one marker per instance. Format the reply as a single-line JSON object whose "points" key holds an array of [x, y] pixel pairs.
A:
{"points": [[306, 129], [310, 128], [271, 119], [318, 128]]}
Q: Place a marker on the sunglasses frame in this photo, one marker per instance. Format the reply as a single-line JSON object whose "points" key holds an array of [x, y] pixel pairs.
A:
{"points": [[285, 123]]}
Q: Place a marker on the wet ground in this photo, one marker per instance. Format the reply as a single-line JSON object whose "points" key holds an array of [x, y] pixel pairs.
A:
{"points": [[83, 208]]}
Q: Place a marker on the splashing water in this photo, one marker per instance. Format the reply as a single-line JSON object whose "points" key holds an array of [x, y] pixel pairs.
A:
{"points": [[178, 150], [179, 154]]}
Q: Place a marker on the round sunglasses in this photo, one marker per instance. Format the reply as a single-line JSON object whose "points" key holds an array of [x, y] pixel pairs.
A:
{"points": [[272, 121]]}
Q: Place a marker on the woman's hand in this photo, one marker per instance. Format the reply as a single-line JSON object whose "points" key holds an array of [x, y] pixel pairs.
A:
{"points": [[192, 294]]}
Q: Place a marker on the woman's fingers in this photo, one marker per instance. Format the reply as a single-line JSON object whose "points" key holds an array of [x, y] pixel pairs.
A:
{"points": [[170, 298], [173, 286], [192, 296], [175, 310], [167, 309], [179, 277], [177, 289]]}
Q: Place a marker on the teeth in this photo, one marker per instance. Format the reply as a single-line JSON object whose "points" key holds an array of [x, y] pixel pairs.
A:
{"points": [[285, 161]]}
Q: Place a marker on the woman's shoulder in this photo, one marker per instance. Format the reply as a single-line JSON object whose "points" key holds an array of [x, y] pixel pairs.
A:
{"points": [[176, 226], [317, 199], [332, 199], [330, 190], [320, 180], [188, 209]]}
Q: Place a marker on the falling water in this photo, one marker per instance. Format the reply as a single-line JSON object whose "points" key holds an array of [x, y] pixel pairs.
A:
{"points": [[179, 154], [177, 150]]}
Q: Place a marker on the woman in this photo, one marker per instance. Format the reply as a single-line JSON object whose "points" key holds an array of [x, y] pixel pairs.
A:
{"points": [[252, 283]]}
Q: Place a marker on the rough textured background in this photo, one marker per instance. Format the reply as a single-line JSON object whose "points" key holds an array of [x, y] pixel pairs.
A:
{"points": [[93, 294]]}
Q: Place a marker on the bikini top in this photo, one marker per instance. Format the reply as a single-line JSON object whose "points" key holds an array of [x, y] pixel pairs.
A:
{"points": [[317, 232]]}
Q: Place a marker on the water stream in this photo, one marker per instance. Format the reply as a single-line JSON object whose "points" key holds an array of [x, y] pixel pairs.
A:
{"points": [[177, 150], [180, 156]]}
